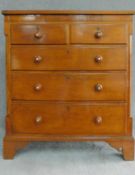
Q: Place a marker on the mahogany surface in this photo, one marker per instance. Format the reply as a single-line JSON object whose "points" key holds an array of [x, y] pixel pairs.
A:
{"points": [[69, 118], [68, 78], [65, 85], [69, 57]]}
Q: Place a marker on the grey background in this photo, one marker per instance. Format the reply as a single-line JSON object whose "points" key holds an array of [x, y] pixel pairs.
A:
{"points": [[64, 158]]}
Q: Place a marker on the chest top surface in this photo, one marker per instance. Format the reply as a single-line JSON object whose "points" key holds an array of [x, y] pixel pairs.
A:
{"points": [[68, 12]]}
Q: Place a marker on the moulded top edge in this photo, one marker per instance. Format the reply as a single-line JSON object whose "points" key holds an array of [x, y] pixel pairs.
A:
{"points": [[67, 12]]}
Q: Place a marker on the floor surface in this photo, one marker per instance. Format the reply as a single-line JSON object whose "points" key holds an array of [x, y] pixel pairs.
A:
{"points": [[59, 158]]}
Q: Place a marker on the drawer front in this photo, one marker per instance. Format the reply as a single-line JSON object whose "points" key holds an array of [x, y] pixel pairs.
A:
{"points": [[38, 34], [69, 86], [99, 33], [69, 58], [68, 118]]}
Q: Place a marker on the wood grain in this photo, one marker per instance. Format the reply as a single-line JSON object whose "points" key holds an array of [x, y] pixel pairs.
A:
{"points": [[69, 57], [111, 33], [68, 78], [68, 118], [62, 12], [68, 86], [50, 34]]}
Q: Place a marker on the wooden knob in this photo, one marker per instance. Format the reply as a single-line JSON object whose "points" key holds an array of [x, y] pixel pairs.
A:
{"points": [[99, 34], [98, 59], [38, 119], [38, 35], [37, 59], [98, 87], [38, 87], [98, 120]]}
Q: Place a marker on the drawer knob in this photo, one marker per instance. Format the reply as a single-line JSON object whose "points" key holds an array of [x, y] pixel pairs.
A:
{"points": [[98, 59], [99, 34], [38, 87], [37, 59], [98, 120], [38, 35], [98, 87], [38, 119]]}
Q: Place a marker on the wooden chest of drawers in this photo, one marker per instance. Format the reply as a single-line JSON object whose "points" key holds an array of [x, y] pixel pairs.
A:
{"points": [[68, 78]]}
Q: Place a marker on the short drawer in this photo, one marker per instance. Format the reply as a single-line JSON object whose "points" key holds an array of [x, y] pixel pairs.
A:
{"points": [[69, 58], [38, 34], [64, 85], [68, 118], [99, 33]]}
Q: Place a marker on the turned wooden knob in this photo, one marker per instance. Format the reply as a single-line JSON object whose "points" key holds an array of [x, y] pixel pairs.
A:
{"points": [[98, 87], [37, 59], [38, 119], [98, 59], [99, 34], [38, 87], [38, 35], [98, 119]]}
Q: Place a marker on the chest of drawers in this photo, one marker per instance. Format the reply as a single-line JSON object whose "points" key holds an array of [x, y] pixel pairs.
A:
{"points": [[68, 78]]}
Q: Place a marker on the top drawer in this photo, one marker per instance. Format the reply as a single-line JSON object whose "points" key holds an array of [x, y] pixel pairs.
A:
{"points": [[38, 33], [99, 33]]}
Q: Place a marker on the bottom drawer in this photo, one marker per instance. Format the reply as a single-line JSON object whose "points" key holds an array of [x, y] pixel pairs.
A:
{"points": [[69, 118]]}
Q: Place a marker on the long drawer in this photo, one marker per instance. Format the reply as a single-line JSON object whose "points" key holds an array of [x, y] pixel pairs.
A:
{"points": [[68, 118], [73, 85], [69, 57]]}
